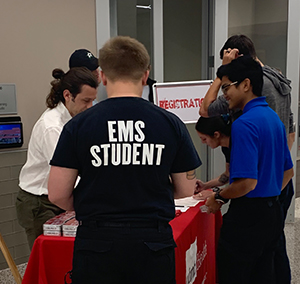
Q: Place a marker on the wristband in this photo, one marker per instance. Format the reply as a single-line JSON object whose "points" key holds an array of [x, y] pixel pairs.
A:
{"points": [[216, 189], [219, 198]]}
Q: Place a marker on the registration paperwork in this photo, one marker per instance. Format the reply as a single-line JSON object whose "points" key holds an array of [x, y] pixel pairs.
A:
{"points": [[185, 203]]}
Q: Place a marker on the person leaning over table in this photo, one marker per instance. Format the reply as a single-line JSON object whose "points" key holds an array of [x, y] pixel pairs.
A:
{"points": [[85, 58], [71, 93], [260, 166], [214, 132], [125, 150]]}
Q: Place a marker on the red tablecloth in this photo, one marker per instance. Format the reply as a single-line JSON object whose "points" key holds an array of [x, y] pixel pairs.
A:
{"points": [[195, 234]]}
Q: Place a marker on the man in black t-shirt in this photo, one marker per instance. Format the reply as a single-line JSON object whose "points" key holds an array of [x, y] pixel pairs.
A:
{"points": [[133, 158]]}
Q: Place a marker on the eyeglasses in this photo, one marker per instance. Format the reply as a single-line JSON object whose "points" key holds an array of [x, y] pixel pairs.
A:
{"points": [[226, 87]]}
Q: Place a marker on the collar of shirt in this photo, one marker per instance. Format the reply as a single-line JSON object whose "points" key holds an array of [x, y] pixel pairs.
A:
{"points": [[64, 111], [259, 101]]}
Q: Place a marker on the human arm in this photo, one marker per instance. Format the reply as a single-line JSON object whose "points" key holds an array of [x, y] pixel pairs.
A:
{"points": [[218, 181], [202, 195], [287, 175], [61, 185], [291, 140], [238, 188], [210, 97], [229, 55], [64, 170], [201, 191], [213, 90], [292, 131], [184, 184]]}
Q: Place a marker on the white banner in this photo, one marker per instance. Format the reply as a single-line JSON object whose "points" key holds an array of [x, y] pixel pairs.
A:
{"points": [[191, 263], [181, 98]]}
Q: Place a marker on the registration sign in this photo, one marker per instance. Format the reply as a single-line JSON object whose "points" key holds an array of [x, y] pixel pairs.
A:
{"points": [[181, 98]]}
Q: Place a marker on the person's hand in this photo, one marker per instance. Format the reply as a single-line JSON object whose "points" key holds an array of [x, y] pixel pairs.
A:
{"points": [[230, 54], [212, 205], [200, 185], [203, 195]]}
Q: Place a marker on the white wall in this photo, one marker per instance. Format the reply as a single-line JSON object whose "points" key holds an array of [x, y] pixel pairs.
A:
{"points": [[36, 37]]}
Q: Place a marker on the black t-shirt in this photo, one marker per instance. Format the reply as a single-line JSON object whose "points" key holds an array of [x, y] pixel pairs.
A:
{"points": [[226, 152], [124, 150]]}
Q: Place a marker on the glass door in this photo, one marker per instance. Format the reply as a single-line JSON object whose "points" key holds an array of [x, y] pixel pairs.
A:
{"points": [[186, 50], [133, 18], [177, 36]]}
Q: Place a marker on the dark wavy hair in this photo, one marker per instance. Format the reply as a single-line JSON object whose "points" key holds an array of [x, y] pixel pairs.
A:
{"points": [[243, 43], [209, 125], [242, 68], [73, 81]]}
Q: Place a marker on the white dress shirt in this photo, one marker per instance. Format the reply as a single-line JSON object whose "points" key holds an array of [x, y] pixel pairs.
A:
{"points": [[44, 137], [145, 94]]}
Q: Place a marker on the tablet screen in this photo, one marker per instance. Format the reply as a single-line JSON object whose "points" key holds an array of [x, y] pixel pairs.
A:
{"points": [[11, 134]]}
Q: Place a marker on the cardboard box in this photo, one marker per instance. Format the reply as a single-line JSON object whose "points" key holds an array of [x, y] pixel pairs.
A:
{"points": [[54, 225], [70, 228], [56, 233]]}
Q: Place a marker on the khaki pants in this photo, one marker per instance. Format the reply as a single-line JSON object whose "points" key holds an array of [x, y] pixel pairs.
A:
{"points": [[32, 212]]}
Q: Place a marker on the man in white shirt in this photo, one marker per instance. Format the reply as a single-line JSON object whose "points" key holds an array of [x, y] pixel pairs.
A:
{"points": [[71, 93]]}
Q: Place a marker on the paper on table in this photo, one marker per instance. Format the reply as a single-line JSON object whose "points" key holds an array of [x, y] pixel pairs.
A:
{"points": [[182, 208], [187, 201]]}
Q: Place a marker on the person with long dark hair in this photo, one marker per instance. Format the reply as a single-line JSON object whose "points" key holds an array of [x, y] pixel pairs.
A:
{"points": [[214, 132]]}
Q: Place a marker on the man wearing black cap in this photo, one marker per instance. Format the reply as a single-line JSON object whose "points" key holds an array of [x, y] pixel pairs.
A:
{"points": [[84, 58]]}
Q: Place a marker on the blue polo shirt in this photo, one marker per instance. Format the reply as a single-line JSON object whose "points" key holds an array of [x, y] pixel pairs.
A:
{"points": [[259, 149]]}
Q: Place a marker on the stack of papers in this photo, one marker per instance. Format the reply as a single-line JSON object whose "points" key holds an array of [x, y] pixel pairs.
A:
{"points": [[184, 204]]}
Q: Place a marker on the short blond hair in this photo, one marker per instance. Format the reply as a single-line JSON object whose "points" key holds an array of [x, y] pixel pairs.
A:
{"points": [[124, 58]]}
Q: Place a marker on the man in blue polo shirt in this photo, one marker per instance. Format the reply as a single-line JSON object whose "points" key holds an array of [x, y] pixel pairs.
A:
{"points": [[260, 166]]}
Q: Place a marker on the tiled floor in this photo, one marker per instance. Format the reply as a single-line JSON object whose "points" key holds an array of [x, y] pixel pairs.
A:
{"points": [[6, 276], [292, 231]]}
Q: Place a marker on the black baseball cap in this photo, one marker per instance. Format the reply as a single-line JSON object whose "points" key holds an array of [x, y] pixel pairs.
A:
{"points": [[83, 58]]}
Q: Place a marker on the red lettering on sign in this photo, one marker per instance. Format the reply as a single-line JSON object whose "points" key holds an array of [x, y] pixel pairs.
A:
{"points": [[181, 103]]}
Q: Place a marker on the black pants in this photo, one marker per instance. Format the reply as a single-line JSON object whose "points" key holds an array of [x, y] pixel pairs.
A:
{"points": [[124, 254], [248, 238], [281, 260]]}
